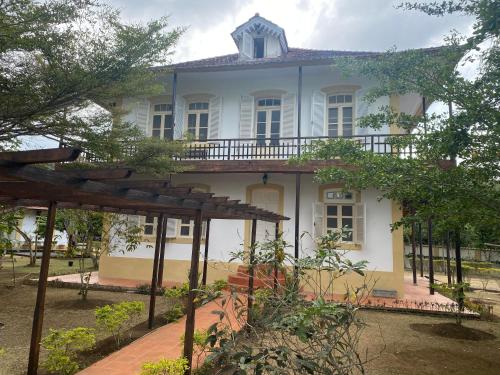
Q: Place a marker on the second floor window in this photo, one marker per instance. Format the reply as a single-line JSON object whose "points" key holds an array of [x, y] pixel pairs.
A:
{"points": [[340, 115], [197, 117], [258, 48], [162, 121], [268, 123]]}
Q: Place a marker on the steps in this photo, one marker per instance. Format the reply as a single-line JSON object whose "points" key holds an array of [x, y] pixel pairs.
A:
{"points": [[263, 278]]}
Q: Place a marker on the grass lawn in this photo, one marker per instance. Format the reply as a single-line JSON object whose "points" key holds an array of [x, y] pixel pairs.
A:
{"points": [[23, 270]]}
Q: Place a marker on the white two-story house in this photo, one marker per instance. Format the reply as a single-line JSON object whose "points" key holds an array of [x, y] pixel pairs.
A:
{"points": [[247, 113]]}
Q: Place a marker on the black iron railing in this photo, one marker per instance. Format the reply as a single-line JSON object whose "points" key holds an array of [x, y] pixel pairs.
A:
{"points": [[285, 148]]}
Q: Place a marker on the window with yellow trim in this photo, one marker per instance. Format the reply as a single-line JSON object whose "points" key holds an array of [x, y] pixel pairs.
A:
{"points": [[339, 213]]}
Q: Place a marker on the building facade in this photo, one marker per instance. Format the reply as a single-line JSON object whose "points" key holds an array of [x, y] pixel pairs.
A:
{"points": [[245, 115]]}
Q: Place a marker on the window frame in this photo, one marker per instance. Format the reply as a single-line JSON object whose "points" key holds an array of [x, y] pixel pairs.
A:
{"points": [[198, 112], [275, 105], [163, 114], [340, 202], [340, 106], [263, 47], [198, 189], [152, 224]]}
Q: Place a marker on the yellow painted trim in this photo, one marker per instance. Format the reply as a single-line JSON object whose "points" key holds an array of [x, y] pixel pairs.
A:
{"points": [[394, 103], [281, 204], [340, 89], [268, 93]]}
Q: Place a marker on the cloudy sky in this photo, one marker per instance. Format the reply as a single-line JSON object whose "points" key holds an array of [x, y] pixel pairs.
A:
{"points": [[321, 24]]}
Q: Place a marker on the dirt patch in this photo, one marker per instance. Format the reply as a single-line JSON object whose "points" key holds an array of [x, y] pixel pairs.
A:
{"points": [[89, 304], [452, 331]]}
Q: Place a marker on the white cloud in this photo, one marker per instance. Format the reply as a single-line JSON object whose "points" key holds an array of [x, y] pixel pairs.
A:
{"points": [[323, 24]]}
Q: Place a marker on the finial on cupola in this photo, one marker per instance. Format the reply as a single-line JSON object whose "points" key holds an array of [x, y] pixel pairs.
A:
{"points": [[257, 14]]}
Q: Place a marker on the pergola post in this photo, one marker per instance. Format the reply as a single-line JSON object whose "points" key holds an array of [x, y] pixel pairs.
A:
{"points": [[36, 331], [154, 277], [458, 265], [414, 254], [448, 260], [205, 255], [251, 269], [193, 285], [162, 251], [431, 258], [420, 250], [275, 278]]}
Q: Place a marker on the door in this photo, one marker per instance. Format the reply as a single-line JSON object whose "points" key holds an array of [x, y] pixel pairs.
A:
{"points": [[267, 199], [268, 118]]}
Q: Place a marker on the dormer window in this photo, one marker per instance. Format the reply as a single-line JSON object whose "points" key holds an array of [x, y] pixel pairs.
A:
{"points": [[258, 47]]}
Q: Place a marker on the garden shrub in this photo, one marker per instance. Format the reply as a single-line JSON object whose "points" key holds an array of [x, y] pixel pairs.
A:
{"points": [[62, 346], [115, 318], [177, 292], [201, 344], [174, 313], [165, 367]]}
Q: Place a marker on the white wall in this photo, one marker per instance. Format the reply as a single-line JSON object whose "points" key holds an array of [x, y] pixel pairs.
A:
{"points": [[228, 235]]}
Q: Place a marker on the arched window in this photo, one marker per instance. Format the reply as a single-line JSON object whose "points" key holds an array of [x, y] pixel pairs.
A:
{"points": [[268, 121]]}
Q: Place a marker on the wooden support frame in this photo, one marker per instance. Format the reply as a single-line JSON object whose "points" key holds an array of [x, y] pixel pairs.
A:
{"points": [[275, 270], [420, 250], [161, 263], [51, 155], [154, 277], [193, 285], [431, 258], [448, 260], [458, 265], [251, 271], [414, 254], [205, 255], [36, 332]]}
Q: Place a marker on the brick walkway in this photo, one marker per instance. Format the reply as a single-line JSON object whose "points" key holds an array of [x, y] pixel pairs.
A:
{"points": [[164, 342]]}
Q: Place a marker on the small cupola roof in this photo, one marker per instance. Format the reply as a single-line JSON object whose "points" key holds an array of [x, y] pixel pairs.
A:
{"points": [[259, 26]]}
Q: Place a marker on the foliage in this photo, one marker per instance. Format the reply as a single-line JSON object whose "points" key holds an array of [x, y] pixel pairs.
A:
{"points": [[62, 346], [116, 318], [174, 313], [177, 292], [165, 367], [287, 331], [60, 56], [200, 343], [466, 194]]}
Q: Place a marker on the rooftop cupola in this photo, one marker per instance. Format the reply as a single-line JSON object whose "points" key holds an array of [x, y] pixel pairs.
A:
{"points": [[259, 38]]}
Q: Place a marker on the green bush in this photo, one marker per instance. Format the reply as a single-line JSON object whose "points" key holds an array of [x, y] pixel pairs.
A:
{"points": [[174, 313], [115, 318], [177, 292], [165, 367], [219, 285], [200, 343], [63, 345]]}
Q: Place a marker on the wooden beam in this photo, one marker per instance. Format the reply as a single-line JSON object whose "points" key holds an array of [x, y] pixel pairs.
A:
{"points": [[50, 155], [431, 258], [98, 174], [36, 331], [414, 254], [154, 277], [161, 264], [448, 260], [420, 250], [193, 285], [205, 255], [458, 266], [251, 270]]}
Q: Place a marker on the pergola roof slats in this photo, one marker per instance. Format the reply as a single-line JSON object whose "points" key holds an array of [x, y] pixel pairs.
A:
{"points": [[110, 190]]}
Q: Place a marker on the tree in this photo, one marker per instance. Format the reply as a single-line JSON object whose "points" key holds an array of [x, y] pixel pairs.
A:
{"points": [[466, 193], [59, 58]]}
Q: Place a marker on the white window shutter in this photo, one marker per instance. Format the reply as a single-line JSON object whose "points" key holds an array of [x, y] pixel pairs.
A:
{"points": [[246, 116], [215, 105], [318, 104], [247, 45], [180, 103], [288, 115], [171, 228], [318, 211], [362, 107], [360, 228], [142, 115]]}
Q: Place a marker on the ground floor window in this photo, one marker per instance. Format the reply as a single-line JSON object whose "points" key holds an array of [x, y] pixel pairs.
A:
{"points": [[340, 217]]}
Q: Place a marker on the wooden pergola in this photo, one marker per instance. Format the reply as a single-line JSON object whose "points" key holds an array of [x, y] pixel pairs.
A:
{"points": [[116, 190]]}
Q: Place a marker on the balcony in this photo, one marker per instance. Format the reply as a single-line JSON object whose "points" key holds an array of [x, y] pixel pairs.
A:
{"points": [[285, 148]]}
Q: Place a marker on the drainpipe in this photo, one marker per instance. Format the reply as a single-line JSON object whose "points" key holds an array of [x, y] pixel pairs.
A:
{"points": [[174, 94], [297, 176]]}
